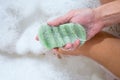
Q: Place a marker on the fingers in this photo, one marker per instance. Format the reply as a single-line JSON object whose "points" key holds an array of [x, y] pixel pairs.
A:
{"points": [[68, 46], [36, 38], [55, 50], [71, 46], [76, 44], [58, 21], [61, 20]]}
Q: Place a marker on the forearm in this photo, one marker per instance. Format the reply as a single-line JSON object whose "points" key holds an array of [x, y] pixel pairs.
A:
{"points": [[106, 1], [103, 48], [108, 13]]}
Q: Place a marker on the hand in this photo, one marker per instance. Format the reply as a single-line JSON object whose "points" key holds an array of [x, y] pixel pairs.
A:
{"points": [[85, 17]]}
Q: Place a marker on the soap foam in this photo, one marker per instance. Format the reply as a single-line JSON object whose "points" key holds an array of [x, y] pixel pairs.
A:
{"points": [[20, 20]]}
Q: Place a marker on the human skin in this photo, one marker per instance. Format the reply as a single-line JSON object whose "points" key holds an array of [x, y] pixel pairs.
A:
{"points": [[106, 1], [94, 20], [103, 48]]}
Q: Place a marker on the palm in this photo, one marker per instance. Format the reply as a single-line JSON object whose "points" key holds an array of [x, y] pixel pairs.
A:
{"points": [[84, 17]]}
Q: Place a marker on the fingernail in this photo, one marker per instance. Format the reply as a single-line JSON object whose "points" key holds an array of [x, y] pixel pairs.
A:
{"points": [[37, 38], [77, 42], [69, 49], [68, 46]]}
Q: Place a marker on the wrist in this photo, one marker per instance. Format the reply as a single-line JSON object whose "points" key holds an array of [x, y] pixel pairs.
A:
{"points": [[108, 14], [98, 17]]}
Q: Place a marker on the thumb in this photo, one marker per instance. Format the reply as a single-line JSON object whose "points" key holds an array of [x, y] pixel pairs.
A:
{"points": [[62, 19], [58, 21]]}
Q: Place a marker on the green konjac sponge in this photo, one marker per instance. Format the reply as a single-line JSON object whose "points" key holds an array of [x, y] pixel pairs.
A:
{"points": [[52, 37]]}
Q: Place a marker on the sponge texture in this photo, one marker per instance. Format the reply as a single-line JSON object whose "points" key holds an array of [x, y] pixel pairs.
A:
{"points": [[52, 37]]}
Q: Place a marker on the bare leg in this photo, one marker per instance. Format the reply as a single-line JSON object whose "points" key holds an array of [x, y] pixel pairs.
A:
{"points": [[103, 48]]}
